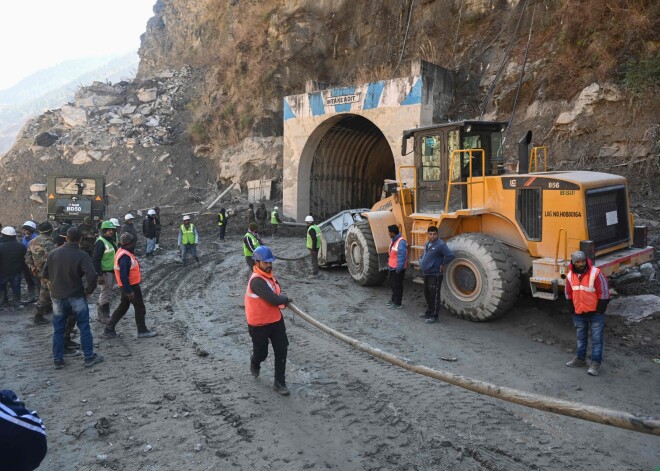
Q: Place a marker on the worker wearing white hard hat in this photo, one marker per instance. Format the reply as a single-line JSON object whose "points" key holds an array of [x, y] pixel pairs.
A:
{"points": [[313, 244], [9, 231], [187, 240], [150, 232], [29, 230], [129, 226], [275, 220], [115, 221]]}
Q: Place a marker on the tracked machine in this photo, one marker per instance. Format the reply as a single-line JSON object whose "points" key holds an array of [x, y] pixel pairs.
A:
{"points": [[510, 232]]}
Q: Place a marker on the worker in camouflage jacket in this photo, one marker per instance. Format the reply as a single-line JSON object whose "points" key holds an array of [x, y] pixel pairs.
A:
{"points": [[35, 259], [89, 235]]}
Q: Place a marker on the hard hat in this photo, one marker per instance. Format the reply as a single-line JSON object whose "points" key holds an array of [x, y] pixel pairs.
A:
{"points": [[186, 218], [30, 224], [115, 221], [108, 225], [275, 208], [151, 212], [9, 231], [578, 256], [263, 254], [128, 217], [309, 219]]}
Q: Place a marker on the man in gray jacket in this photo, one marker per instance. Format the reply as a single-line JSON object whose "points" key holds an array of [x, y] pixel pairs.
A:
{"points": [[65, 269]]}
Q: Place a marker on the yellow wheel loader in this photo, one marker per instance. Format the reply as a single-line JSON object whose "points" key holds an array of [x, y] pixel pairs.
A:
{"points": [[509, 232]]}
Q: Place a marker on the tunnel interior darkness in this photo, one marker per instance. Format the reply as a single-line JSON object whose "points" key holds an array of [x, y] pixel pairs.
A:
{"points": [[349, 166]]}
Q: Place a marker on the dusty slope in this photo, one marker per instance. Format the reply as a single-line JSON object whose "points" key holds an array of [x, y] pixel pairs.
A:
{"points": [[185, 400]]}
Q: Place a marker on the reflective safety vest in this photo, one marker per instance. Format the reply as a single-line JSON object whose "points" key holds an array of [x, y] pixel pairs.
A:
{"points": [[310, 242], [393, 258], [134, 276], [246, 249], [188, 234], [257, 311], [273, 218], [221, 219], [108, 259], [585, 297]]}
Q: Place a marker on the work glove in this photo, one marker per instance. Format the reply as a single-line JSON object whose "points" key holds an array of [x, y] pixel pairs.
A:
{"points": [[100, 281], [287, 300], [602, 306]]}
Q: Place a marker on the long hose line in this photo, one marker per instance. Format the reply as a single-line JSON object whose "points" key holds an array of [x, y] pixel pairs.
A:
{"points": [[600, 415]]}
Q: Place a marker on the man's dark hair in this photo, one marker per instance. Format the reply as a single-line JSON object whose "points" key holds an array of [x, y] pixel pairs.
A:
{"points": [[73, 235], [393, 228], [432, 229]]}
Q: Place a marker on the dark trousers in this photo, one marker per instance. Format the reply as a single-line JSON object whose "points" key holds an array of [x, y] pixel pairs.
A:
{"points": [[314, 256], [29, 279], [276, 333], [122, 309], [432, 286], [222, 230], [15, 284], [396, 281]]}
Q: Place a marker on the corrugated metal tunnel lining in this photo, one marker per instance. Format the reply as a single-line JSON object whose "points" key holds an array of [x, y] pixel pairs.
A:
{"points": [[349, 167]]}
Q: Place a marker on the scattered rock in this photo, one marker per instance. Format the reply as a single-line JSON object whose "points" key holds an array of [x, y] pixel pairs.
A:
{"points": [[101, 458], [45, 139], [36, 198], [89, 413], [198, 447], [73, 116], [147, 448], [647, 271], [37, 187], [147, 95], [646, 305], [81, 158]]}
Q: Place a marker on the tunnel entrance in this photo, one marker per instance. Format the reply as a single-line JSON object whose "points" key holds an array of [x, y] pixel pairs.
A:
{"points": [[349, 166]]}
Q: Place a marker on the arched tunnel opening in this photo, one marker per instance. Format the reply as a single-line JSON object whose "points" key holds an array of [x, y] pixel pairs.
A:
{"points": [[349, 166]]}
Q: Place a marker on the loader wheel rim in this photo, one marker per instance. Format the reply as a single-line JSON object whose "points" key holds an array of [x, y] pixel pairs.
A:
{"points": [[356, 255], [465, 280]]}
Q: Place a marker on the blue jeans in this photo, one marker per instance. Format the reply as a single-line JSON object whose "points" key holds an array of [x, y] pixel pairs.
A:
{"points": [[188, 249], [61, 310], [582, 323], [15, 284], [151, 245]]}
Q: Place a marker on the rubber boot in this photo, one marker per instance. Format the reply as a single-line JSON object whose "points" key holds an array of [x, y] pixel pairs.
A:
{"points": [[70, 324], [103, 313], [39, 316], [32, 297]]}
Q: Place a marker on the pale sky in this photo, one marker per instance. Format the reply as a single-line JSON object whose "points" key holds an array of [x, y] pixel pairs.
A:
{"points": [[37, 34]]}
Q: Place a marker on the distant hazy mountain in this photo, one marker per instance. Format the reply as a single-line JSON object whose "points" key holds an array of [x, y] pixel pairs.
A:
{"points": [[51, 88]]}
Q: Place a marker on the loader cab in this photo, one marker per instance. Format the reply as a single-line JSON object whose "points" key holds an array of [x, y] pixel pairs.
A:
{"points": [[458, 151]]}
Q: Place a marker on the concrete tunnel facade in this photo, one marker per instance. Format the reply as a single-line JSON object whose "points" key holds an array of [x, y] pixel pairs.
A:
{"points": [[341, 143]]}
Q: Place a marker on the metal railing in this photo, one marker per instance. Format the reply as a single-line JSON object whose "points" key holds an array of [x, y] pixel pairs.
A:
{"points": [[467, 184]]}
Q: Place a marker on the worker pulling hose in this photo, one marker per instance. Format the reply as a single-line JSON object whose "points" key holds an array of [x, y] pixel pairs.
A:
{"points": [[625, 420]]}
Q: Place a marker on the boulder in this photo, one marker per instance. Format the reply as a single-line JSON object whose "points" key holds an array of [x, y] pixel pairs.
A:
{"points": [[81, 158], [37, 187], [128, 109], [95, 101], [36, 198], [646, 305], [46, 139], [147, 95], [73, 116], [152, 122]]}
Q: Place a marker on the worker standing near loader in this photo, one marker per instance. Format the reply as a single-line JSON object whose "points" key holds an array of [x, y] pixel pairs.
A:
{"points": [[313, 244], [588, 294], [103, 257], [263, 301], [397, 263], [435, 259], [275, 221]]}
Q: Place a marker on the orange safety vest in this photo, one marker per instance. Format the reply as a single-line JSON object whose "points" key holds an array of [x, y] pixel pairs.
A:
{"points": [[393, 259], [258, 311], [134, 276], [585, 297]]}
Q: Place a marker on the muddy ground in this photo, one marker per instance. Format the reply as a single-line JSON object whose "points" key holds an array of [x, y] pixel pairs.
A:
{"points": [[185, 400]]}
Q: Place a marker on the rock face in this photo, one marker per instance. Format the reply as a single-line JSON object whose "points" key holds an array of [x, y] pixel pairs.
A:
{"points": [[253, 159], [73, 116]]}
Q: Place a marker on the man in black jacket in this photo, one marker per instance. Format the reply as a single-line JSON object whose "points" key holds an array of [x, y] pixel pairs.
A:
{"points": [[65, 269], [23, 443], [12, 261], [150, 232]]}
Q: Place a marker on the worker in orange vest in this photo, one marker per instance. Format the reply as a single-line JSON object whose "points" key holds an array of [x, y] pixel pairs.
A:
{"points": [[263, 301], [588, 295], [128, 275], [397, 263]]}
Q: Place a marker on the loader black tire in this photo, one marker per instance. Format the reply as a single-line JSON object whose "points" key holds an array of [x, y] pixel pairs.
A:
{"points": [[361, 256], [483, 281]]}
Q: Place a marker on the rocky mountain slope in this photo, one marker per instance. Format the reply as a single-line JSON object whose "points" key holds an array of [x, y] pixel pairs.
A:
{"points": [[588, 90]]}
